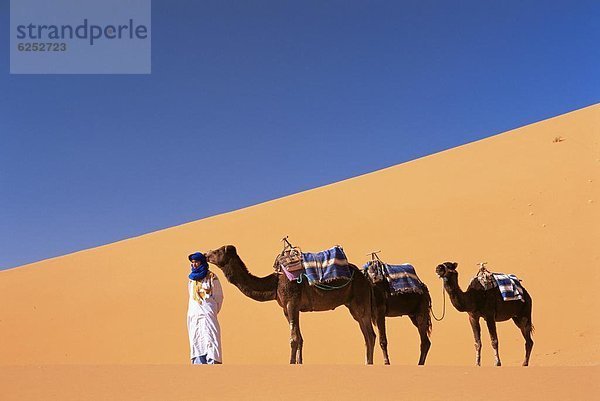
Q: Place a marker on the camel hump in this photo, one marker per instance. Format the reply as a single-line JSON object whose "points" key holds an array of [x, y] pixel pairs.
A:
{"points": [[510, 287], [325, 266], [403, 279]]}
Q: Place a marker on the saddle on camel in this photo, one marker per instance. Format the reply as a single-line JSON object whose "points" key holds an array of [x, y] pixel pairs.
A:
{"points": [[398, 291], [319, 269], [495, 297], [346, 288]]}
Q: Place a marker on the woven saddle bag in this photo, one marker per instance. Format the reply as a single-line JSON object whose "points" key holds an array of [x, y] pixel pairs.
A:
{"points": [[291, 259], [375, 271]]}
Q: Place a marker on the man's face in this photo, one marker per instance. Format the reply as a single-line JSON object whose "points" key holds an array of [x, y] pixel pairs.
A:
{"points": [[196, 264]]}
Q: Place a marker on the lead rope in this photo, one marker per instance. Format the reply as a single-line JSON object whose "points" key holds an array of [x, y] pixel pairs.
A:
{"points": [[443, 308], [325, 286]]}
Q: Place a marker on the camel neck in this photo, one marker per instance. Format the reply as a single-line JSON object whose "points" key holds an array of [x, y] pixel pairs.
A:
{"points": [[258, 288], [459, 299]]}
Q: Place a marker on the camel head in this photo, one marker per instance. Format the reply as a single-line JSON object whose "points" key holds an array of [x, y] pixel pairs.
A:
{"points": [[221, 256], [445, 269]]}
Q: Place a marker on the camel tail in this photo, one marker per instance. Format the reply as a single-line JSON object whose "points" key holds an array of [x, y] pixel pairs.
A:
{"points": [[374, 310], [529, 302], [428, 315]]}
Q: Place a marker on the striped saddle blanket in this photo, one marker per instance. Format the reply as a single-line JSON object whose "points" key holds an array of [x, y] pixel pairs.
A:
{"points": [[509, 286], [403, 279], [326, 266]]}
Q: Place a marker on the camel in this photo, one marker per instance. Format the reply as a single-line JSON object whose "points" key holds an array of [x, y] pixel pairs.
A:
{"points": [[488, 304], [296, 297], [416, 306]]}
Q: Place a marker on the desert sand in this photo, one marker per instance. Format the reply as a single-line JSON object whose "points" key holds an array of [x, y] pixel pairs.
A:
{"points": [[109, 322]]}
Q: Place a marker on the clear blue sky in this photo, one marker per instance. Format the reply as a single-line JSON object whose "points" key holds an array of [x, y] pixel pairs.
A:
{"points": [[353, 86]]}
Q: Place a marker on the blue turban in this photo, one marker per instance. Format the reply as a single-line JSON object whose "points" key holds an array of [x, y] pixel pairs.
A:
{"points": [[198, 256], [201, 271]]}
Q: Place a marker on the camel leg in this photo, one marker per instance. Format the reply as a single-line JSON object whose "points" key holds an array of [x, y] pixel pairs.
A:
{"points": [[422, 324], [300, 341], [382, 336], [292, 313], [293, 349], [524, 323], [491, 324], [364, 321], [477, 334]]}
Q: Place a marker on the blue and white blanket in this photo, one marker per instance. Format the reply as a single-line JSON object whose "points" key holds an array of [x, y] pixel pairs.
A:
{"points": [[326, 266], [509, 286], [403, 278]]}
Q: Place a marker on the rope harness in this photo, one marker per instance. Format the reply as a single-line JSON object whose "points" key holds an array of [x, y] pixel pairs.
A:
{"points": [[444, 301], [443, 307], [325, 286]]}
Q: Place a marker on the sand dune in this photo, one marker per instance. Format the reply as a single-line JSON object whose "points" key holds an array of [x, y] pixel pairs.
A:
{"points": [[522, 201]]}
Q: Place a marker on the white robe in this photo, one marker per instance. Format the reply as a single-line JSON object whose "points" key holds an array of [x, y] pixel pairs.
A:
{"points": [[203, 327]]}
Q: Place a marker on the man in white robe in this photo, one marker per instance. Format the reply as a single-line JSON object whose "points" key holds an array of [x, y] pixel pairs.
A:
{"points": [[205, 301]]}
